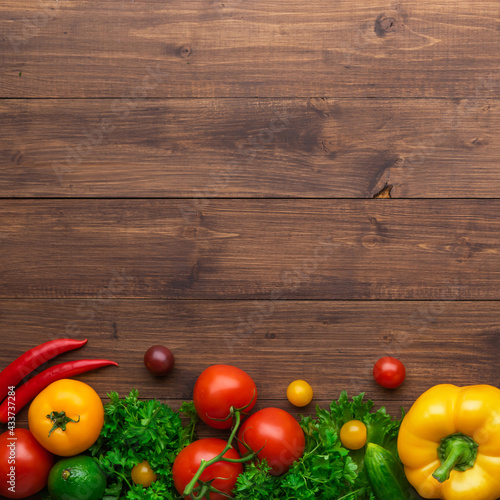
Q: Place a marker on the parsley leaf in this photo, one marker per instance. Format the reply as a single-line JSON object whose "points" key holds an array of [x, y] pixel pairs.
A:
{"points": [[136, 430]]}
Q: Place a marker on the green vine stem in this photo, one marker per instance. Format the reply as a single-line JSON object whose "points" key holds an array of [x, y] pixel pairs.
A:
{"points": [[205, 488]]}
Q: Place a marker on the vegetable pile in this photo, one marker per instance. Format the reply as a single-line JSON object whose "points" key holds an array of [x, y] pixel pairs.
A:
{"points": [[136, 430], [447, 446], [327, 469], [65, 418]]}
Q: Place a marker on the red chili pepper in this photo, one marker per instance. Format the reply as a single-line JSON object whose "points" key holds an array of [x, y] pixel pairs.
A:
{"points": [[26, 392], [32, 359]]}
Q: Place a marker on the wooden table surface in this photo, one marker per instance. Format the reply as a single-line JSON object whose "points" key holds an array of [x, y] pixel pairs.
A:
{"points": [[297, 189]]}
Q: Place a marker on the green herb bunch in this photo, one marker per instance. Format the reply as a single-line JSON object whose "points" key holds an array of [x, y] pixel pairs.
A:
{"points": [[327, 470], [135, 431]]}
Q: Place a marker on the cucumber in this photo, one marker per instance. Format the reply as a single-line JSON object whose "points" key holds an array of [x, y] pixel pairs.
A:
{"points": [[386, 474]]}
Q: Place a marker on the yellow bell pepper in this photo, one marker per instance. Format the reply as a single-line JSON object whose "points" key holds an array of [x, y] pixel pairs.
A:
{"points": [[449, 443]]}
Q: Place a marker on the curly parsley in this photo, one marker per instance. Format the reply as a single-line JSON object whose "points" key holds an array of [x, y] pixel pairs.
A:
{"points": [[136, 430]]}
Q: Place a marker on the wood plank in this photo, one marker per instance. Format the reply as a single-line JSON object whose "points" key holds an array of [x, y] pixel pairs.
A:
{"points": [[250, 147], [333, 345], [202, 48], [248, 249]]}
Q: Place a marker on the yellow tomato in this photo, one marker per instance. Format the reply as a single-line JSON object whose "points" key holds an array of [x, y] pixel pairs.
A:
{"points": [[143, 474], [353, 434], [299, 393], [66, 418]]}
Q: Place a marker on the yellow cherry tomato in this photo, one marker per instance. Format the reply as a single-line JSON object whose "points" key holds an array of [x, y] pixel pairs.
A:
{"points": [[143, 474], [66, 418], [299, 393], [353, 435]]}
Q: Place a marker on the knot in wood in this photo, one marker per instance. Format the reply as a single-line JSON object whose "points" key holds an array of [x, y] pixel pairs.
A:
{"points": [[384, 25], [370, 241], [185, 51]]}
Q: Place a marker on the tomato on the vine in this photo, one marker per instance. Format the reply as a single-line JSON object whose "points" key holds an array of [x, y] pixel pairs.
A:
{"points": [[143, 474], [223, 475], [353, 434], [389, 372], [278, 434], [220, 387], [24, 464]]}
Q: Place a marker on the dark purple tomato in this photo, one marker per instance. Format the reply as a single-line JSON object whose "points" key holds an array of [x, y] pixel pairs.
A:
{"points": [[159, 360]]}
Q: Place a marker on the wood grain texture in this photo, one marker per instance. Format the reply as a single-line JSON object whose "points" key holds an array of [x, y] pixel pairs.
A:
{"points": [[237, 249], [272, 48], [250, 147], [333, 345]]}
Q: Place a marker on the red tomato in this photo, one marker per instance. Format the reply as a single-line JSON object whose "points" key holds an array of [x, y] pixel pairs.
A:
{"points": [[24, 464], [224, 474], [217, 389], [389, 372], [278, 434]]}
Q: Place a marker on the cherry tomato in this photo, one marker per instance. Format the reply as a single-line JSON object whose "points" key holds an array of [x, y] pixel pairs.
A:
{"points": [[277, 433], [143, 474], [353, 434], [222, 474], [159, 360], [220, 387], [389, 372], [299, 393], [24, 464]]}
